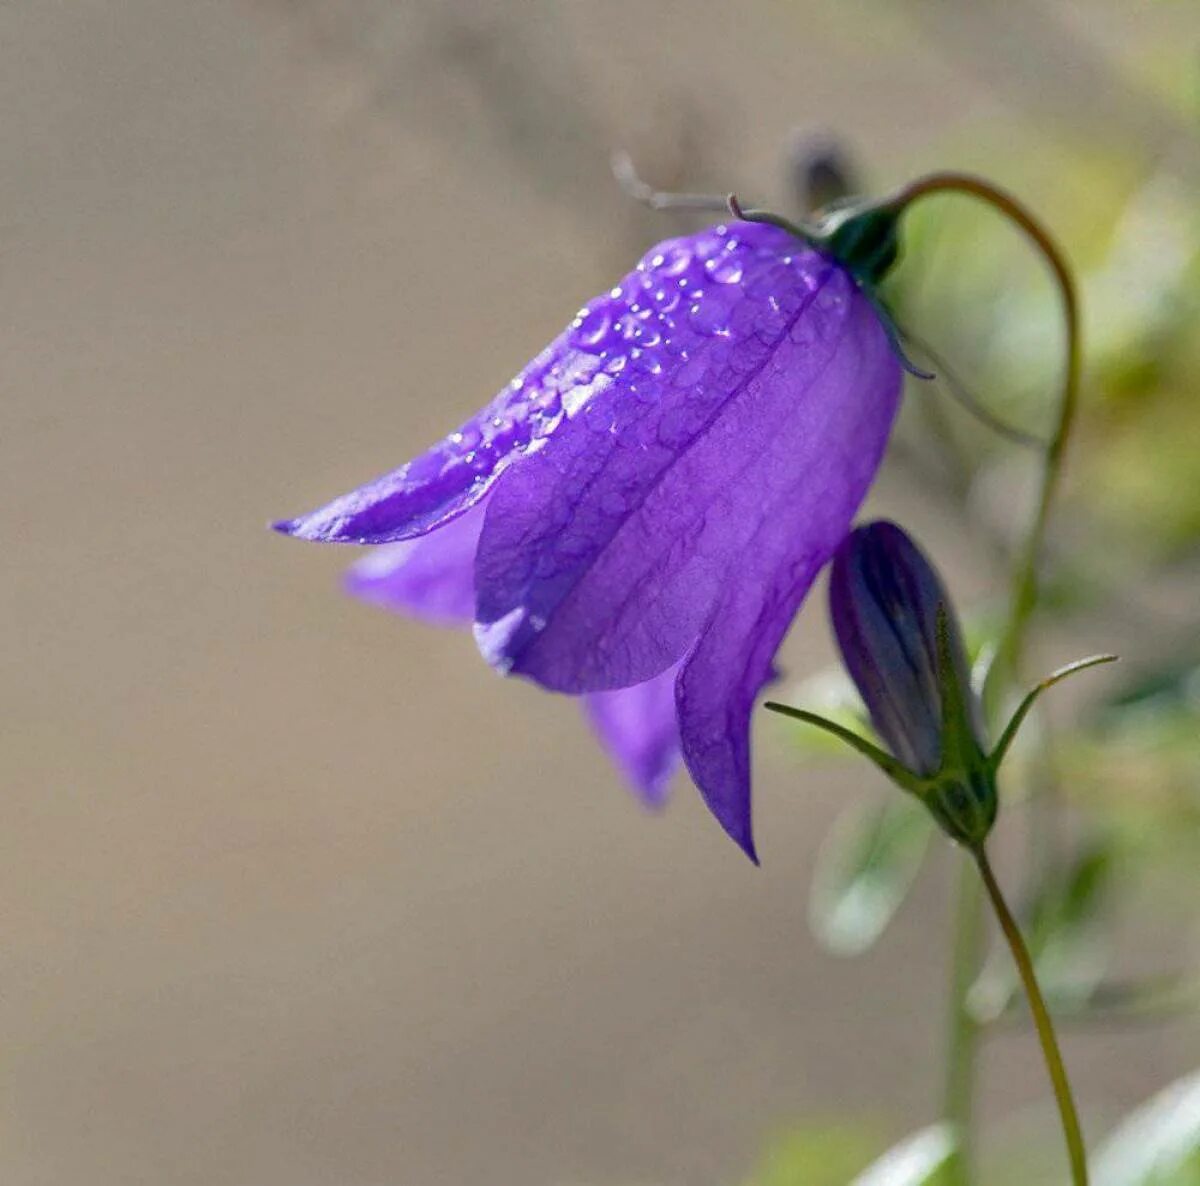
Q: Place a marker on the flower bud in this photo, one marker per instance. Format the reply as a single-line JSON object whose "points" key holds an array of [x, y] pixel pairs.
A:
{"points": [[903, 648]]}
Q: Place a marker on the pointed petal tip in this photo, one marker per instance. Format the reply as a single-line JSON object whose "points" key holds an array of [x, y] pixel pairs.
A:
{"points": [[746, 844], [313, 528], [284, 526]]}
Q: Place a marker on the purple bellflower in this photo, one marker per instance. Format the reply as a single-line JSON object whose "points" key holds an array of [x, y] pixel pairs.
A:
{"points": [[637, 517]]}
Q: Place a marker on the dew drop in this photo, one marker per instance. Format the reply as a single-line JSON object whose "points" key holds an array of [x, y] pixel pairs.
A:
{"points": [[591, 330], [673, 260], [479, 460], [727, 270], [466, 438], [629, 327], [664, 300], [647, 361]]}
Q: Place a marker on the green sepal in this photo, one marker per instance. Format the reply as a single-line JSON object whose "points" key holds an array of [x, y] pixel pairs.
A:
{"points": [[864, 237], [1018, 717], [894, 769], [963, 799]]}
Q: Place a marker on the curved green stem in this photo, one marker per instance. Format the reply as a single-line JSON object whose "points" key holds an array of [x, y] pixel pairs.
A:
{"points": [[1041, 1017], [1024, 583]]}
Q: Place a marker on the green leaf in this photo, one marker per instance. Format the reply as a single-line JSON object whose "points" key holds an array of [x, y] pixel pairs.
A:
{"points": [[1159, 1144], [865, 869], [920, 1160]]}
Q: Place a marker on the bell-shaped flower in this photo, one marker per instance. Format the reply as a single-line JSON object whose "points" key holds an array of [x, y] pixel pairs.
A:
{"points": [[637, 517]]}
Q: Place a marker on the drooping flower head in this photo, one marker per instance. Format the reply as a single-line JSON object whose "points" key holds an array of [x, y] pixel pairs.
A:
{"points": [[637, 517]]}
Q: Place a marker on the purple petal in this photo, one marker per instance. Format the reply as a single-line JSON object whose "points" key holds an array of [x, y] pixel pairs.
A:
{"points": [[807, 510], [638, 728], [603, 556], [431, 578], [458, 471]]}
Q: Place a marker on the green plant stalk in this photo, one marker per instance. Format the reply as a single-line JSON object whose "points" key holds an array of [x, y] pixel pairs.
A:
{"points": [[1041, 1016], [1024, 588], [963, 1029], [960, 1068]]}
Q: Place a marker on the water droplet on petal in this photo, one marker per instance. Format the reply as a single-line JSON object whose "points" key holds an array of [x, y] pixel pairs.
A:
{"points": [[673, 260], [480, 460], [724, 269], [664, 299], [591, 330], [629, 327], [647, 361]]}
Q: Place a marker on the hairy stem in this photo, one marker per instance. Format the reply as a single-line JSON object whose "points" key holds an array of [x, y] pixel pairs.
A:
{"points": [[1041, 1018]]}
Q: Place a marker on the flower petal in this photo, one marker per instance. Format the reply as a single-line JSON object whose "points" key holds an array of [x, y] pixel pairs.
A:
{"points": [[637, 727], [804, 518], [431, 578], [458, 471], [602, 557]]}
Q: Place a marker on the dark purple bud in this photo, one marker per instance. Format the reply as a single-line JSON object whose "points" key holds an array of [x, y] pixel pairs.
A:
{"points": [[885, 599], [902, 645]]}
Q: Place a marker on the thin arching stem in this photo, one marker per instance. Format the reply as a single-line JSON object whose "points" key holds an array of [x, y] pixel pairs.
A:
{"points": [[1041, 1017], [1025, 574]]}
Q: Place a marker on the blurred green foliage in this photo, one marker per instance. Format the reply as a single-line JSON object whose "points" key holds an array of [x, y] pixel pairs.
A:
{"points": [[815, 1155]]}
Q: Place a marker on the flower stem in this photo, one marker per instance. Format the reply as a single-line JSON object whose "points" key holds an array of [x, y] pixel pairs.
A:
{"points": [[963, 1033], [1025, 572], [1022, 601], [1041, 1017]]}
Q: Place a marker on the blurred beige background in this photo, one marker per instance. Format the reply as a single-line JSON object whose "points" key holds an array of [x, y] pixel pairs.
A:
{"points": [[296, 894]]}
